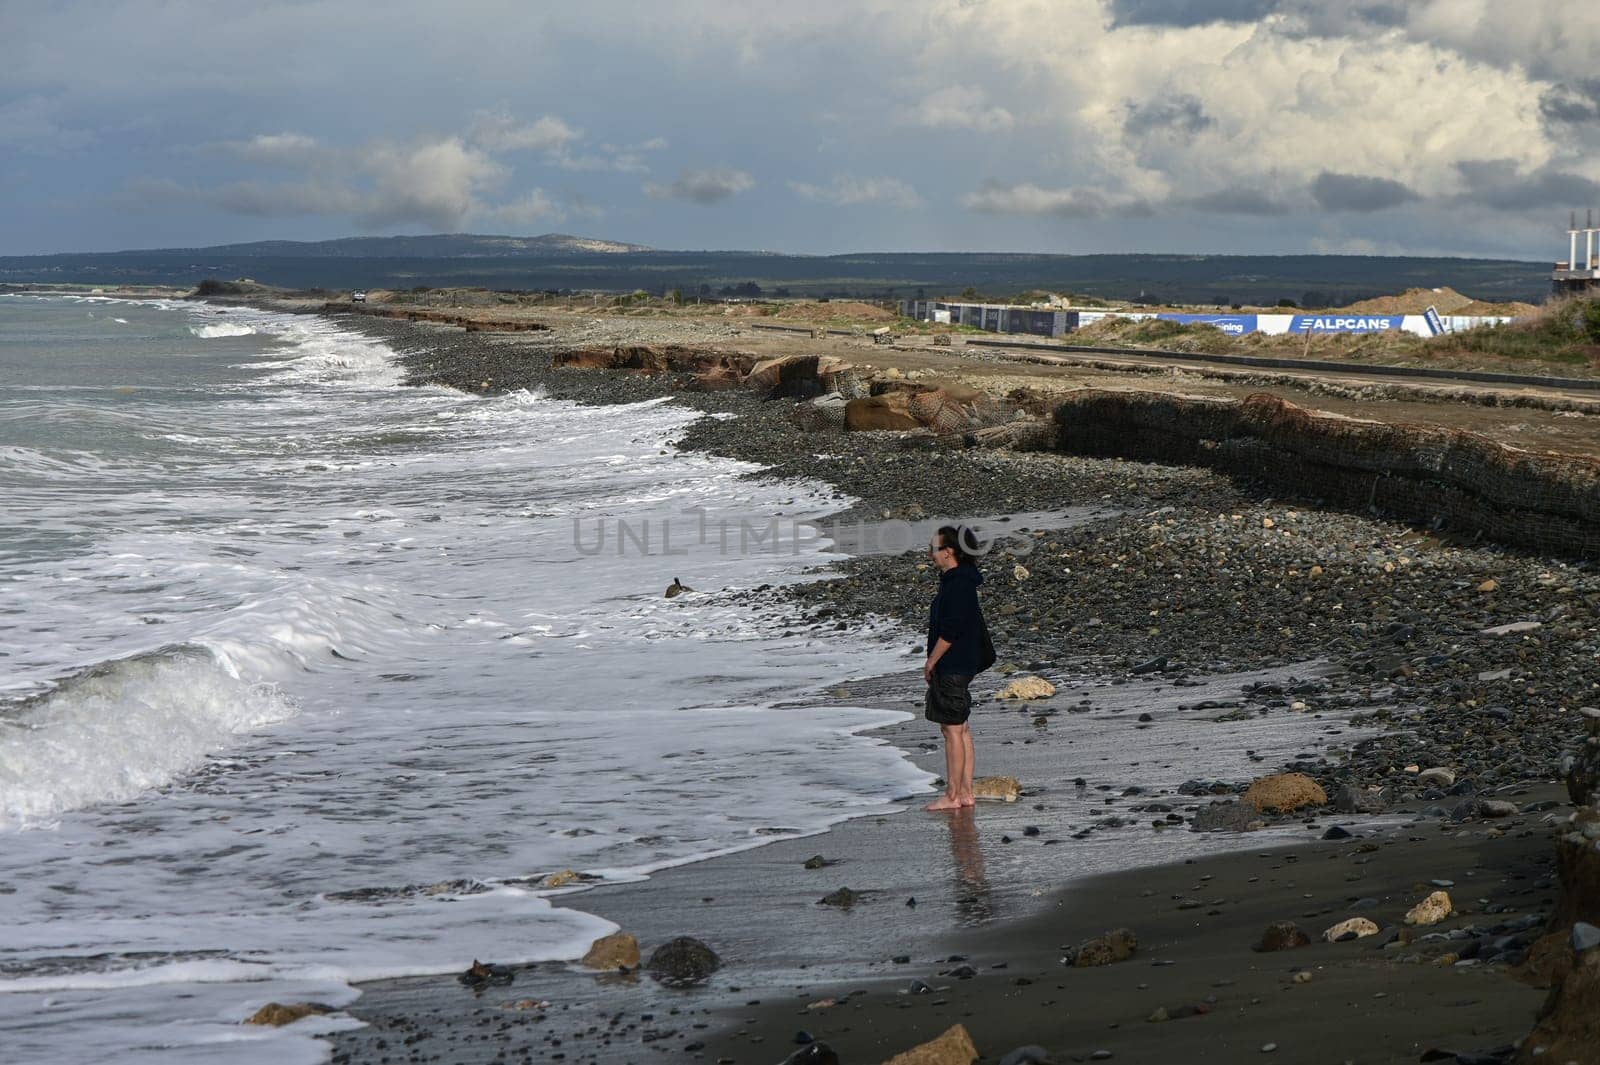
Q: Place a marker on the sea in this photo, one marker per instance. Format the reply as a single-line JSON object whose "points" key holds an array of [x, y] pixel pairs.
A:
{"points": [[308, 677]]}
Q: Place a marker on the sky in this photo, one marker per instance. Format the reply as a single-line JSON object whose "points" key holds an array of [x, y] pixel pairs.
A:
{"points": [[1407, 127]]}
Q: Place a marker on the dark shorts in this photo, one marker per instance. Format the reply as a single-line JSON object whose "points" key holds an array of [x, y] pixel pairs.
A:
{"points": [[948, 701]]}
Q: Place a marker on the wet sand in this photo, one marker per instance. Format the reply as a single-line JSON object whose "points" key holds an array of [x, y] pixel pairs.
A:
{"points": [[1006, 903]]}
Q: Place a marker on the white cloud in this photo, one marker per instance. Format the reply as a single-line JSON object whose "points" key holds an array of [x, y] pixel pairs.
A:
{"points": [[278, 148], [499, 131], [533, 208], [846, 191], [703, 186], [959, 107], [1029, 199]]}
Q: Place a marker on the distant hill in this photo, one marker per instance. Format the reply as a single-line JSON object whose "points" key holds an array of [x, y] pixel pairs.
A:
{"points": [[565, 264], [436, 246]]}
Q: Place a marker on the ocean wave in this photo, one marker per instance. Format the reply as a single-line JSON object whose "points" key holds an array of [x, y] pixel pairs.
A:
{"points": [[122, 727], [222, 329]]}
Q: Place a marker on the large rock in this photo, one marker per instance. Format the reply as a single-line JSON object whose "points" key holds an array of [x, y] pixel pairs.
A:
{"points": [[954, 1047], [1230, 815], [1119, 944], [1431, 910], [619, 950], [1283, 935], [1353, 928], [1437, 777], [683, 961], [890, 412], [1350, 800], [277, 1014], [1027, 688], [1285, 793], [1006, 789]]}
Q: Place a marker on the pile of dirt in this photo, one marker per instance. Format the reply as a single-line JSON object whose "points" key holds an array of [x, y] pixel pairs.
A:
{"points": [[1510, 309], [1413, 301]]}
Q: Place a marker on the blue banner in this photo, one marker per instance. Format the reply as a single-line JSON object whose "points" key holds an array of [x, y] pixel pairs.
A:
{"points": [[1232, 324], [1345, 323], [1435, 323]]}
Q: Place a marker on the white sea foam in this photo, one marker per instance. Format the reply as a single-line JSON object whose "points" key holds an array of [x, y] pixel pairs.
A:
{"points": [[221, 329], [121, 729], [397, 670]]}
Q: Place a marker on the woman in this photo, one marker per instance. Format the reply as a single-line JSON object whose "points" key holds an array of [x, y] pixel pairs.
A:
{"points": [[958, 650]]}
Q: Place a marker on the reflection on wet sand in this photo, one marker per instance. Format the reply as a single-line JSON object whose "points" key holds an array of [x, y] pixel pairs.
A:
{"points": [[973, 900]]}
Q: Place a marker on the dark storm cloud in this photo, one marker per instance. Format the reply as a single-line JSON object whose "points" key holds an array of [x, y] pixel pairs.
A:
{"points": [[1353, 192], [1571, 104], [705, 187], [1189, 12], [1181, 114], [1496, 183]]}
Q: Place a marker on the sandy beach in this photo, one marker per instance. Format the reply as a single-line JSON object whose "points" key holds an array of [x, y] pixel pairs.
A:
{"points": [[1176, 615]]}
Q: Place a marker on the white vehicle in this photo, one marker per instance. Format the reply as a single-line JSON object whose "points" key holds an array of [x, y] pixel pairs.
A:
{"points": [[358, 297]]}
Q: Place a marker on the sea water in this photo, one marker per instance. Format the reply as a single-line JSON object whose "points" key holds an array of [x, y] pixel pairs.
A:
{"points": [[308, 677]]}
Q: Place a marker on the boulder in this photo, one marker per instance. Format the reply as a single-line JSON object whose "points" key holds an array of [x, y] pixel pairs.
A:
{"points": [[1437, 777], [484, 974], [1283, 935], [880, 413], [566, 877], [1119, 944], [1285, 792], [1027, 688], [683, 961], [954, 1047], [1354, 928], [844, 898], [1006, 789], [1230, 815], [619, 950], [1431, 910], [1350, 800], [277, 1014]]}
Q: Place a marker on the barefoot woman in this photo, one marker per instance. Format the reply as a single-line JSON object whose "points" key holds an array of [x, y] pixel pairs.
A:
{"points": [[957, 651]]}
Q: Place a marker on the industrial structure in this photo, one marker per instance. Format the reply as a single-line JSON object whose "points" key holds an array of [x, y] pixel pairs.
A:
{"points": [[1048, 322], [1580, 274], [993, 317]]}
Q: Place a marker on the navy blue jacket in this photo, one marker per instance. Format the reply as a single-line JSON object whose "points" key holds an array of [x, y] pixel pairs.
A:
{"points": [[956, 616]]}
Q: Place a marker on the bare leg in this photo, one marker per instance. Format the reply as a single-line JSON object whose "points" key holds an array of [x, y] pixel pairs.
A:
{"points": [[969, 763], [953, 750]]}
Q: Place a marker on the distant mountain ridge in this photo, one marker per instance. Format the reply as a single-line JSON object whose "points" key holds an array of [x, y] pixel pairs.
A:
{"points": [[434, 246]]}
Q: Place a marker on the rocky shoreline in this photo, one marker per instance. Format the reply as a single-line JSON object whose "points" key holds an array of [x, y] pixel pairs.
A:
{"points": [[1473, 658], [1462, 670]]}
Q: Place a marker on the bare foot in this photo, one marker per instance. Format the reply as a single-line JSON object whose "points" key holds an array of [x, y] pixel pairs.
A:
{"points": [[968, 801], [944, 802]]}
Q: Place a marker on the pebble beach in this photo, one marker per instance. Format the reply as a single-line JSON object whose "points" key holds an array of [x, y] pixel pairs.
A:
{"points": [[1178, 618]]}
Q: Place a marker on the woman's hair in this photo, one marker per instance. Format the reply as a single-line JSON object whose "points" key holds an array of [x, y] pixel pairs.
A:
{"points": [[961, 539]]}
